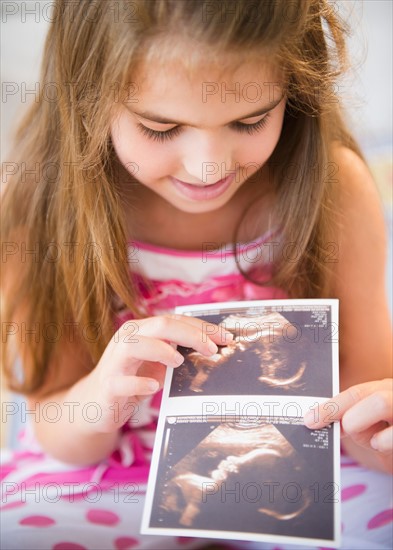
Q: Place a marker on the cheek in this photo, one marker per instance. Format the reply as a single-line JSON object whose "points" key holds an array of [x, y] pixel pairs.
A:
{"points": [[259, 148], [256, 153]]}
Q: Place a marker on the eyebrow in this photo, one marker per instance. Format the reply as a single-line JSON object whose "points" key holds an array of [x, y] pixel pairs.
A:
{"points": [[148, 115]]}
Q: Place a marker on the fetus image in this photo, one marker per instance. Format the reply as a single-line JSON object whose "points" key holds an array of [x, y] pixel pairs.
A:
{"points": [[242, 469], [266, 353]]}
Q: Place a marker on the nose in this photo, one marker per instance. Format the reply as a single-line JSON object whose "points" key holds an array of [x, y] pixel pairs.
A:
{"points": [[208, 159]]}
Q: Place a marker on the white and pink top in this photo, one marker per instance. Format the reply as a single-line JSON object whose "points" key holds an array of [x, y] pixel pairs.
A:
{"points": [[181, 277]]}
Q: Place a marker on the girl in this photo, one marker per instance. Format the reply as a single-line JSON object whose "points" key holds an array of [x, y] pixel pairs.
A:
{"points": [[189, 152]]}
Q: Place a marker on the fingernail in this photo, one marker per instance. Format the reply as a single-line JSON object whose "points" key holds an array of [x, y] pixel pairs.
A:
{"points": [[213, 348], [309, 418], [153, 385], [178, 359], [374, 443]]}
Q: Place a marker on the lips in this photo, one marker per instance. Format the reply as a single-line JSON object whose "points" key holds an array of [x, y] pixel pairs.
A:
{"points": [[203, 192], [201, 185]]}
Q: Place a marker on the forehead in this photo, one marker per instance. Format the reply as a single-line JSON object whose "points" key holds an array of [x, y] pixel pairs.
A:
{"points": [[181, 91]]}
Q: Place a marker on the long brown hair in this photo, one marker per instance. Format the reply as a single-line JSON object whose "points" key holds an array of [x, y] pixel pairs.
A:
{"points": [[72, 216]]}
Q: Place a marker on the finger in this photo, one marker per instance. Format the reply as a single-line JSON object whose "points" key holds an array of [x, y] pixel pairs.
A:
{"points": [[187, 333], [131, 354], [154, 370], [363, 438], [383, 440], [127, 386], [334, 409], [215, 332], [358, 418]]}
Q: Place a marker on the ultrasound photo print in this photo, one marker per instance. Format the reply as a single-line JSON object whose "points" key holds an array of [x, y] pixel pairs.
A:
{"points": [[250, 475], [271, 354]]}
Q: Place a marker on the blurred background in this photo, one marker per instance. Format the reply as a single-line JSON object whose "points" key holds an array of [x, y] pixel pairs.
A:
{"points": [[366, 90]]}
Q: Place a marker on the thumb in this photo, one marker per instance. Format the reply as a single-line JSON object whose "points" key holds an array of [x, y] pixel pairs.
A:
{"points": [[334, 409]]}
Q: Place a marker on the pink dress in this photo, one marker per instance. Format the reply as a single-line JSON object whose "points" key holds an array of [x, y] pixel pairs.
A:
{"points": [[47, 504]]}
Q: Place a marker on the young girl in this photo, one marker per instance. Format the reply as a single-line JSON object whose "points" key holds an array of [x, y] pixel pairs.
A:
{"points": [[188, 152]]}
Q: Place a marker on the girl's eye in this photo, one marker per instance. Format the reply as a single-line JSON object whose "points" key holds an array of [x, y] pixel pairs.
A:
{"points": [[159, 136], [155, 135], [251, 128]]}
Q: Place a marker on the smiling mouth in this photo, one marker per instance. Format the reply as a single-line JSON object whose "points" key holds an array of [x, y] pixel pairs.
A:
{"points": [[201, 185], [198, 192]]}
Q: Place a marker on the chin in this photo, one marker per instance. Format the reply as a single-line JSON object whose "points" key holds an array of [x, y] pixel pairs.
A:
{"points": [[198, 208]]}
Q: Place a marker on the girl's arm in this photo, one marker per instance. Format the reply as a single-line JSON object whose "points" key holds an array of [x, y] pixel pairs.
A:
{"points": [[70, 438], [91, 411], [61, 417], [360, 285], [78, 411]]}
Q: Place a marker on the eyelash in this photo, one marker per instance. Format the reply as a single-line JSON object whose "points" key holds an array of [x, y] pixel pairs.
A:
{"points": [[173, 132]]}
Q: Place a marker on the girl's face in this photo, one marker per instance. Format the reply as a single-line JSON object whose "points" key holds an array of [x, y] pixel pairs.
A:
{"points": [[194, 140]]}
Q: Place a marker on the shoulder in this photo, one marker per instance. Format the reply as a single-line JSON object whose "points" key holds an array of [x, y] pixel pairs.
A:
{"points": [[359, 271], [357, 192], [360, 229]]}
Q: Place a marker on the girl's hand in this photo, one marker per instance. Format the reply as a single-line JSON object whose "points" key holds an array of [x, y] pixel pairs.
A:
{"points": [[134, 362], [365, 412]]}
